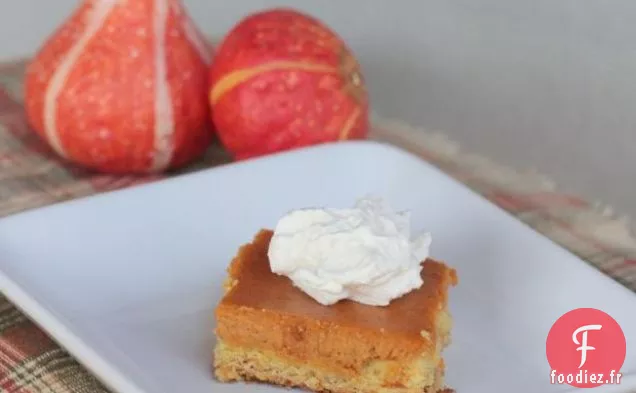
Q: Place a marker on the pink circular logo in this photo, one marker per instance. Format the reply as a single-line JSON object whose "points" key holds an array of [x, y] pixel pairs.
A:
{"points": [[585, 348]]}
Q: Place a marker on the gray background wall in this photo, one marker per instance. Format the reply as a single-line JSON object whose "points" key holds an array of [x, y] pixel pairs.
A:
{"points": [[545, 84]]}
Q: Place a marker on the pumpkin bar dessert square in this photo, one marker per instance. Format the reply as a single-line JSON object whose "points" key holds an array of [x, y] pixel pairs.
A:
{"points": [[271, 330]]}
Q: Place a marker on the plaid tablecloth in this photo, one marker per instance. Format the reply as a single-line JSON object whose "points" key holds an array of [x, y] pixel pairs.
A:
{"points": [[30, 177]]}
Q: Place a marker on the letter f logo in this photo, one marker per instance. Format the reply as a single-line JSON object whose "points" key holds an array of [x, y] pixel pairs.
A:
{"points": [[583, 344]]}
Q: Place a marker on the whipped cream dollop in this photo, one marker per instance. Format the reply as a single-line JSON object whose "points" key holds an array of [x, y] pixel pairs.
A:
{"points": [[365, 253]]}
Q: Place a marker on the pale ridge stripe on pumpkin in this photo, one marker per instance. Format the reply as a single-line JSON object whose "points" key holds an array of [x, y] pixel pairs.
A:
{"points": [[96, 19], [234, 78], [348, 125], [199, 43], [164, 116]]}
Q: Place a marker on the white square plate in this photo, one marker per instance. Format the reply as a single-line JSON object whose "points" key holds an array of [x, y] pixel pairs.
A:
{"points": [[128, 280]]}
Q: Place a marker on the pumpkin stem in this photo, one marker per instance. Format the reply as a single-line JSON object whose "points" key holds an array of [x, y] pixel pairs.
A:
{"points": [[354, 81]]}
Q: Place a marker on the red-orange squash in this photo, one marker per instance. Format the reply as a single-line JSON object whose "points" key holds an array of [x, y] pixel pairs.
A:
{"points": [[282, 80]]}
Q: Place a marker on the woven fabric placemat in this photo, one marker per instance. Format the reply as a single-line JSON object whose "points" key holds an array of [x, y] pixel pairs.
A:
{"points": [[31, 176]]}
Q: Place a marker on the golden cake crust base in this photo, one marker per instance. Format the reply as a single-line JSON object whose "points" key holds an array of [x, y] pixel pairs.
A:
{"points": [[235, 364]]}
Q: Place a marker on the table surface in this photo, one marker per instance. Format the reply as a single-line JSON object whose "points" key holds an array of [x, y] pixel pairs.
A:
{"points": [[31, 176]]}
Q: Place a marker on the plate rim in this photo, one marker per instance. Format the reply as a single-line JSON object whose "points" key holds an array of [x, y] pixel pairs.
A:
{"points": [[178, 177]]}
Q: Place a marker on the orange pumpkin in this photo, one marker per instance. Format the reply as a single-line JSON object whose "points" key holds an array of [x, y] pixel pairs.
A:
{"points": [[122, 87]]}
